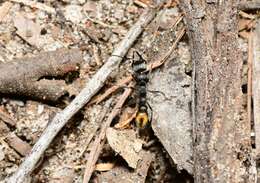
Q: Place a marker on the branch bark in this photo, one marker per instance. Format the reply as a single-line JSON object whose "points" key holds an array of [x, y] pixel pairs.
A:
{"points": [[23, 76], [221, 139], [91, 88]]}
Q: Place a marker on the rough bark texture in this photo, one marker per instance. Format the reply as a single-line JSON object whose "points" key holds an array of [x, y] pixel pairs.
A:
{"points": [[256, 86], [23, 77], [222, 148]]}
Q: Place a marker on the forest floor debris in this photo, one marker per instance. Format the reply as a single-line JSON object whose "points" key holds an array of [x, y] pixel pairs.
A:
{"points": [[96, 32]]}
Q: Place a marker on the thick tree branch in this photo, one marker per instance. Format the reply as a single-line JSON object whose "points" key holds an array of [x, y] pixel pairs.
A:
{"points": [[24, 76], [222, 147]]}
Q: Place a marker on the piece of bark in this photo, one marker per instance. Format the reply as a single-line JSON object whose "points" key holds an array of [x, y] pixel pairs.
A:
{"points": [[256, 86], [222, 145], [91, 88], [23, 76], [19, 145], [13, 141]]}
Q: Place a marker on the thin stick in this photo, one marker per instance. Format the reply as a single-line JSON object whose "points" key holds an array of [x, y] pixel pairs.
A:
{"points": [[114, 88], [168, 54], [91, 88], [151, 66], [100, 141], [249, 78]]}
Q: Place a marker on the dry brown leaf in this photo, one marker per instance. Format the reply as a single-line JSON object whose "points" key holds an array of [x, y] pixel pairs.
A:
{"points": [[126, 144], [104, 166]]}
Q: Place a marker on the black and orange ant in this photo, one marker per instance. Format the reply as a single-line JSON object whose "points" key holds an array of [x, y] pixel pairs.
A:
{"points": [[140, 74]]}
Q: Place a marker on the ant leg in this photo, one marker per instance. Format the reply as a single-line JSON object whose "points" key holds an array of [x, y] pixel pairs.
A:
{"points": [[151, 118], [159, 92]]}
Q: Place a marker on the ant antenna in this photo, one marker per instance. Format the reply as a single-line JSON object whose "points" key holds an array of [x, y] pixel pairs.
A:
{"points": [[122, 57]]}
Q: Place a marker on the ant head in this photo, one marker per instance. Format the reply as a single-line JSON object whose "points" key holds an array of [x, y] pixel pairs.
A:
{"points": [[137, 56]]}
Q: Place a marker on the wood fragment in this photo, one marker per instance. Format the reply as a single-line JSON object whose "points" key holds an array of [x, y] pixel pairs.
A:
{"points": [[256, 85], [4, 9], [91, 88], [22, 147], [38, 5], [25, 76], [100, 140]]}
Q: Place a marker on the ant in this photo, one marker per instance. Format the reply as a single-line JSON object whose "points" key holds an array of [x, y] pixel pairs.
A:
{"points": [[140, 74]]}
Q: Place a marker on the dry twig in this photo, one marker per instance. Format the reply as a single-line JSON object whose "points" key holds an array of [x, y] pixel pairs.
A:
{"points": [[100, 141], [91, 88], [114, 88]]}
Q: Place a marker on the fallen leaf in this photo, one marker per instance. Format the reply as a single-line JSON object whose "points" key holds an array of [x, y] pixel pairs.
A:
{"points": [[126, 144]]}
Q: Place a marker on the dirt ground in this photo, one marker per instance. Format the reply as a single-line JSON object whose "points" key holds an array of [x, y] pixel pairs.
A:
{"points": [[95, 27]]}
